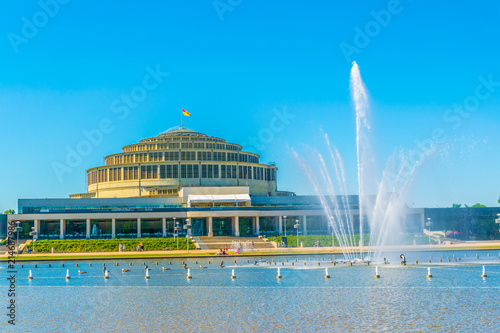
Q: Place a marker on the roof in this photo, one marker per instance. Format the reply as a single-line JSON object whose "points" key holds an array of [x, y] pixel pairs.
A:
{"points": [[180, 131], [217, 198]]}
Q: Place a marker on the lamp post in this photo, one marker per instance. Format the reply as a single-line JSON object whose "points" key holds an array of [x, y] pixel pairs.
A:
{"points": [[177, 229], [284, 217], [296, 226], [17, 229], [33, 233], [428, 224], [187, 227]]}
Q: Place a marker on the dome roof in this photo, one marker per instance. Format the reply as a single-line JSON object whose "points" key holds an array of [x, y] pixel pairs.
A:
{"points": [[180, 131]]}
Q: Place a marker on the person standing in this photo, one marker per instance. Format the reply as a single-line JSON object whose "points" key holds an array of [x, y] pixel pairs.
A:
{"points": [[120, 247]]}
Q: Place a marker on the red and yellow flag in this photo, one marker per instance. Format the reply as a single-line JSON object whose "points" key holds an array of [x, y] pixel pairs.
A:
{"points": [[185, 113]]}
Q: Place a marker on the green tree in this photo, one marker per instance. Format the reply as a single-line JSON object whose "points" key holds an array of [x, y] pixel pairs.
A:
{"points": [[478, 205], [456, 205], [10, 211], [499, 200]]}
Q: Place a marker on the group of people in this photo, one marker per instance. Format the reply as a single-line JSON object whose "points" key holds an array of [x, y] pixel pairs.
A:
{"points": [[239, 250], [140, 247], [223, 251]]}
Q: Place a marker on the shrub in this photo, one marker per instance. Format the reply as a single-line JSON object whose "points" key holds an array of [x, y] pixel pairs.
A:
{"points": [[108, 245]]}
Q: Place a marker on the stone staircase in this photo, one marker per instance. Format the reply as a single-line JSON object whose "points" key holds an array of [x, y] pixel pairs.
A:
{"points": [[219, 242]]}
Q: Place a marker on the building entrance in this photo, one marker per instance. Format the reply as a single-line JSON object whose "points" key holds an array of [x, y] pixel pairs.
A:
{"points": [[222, 226]]}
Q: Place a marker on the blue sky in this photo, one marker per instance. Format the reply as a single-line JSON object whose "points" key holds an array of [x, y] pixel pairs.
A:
{"points": [[236, 65]]}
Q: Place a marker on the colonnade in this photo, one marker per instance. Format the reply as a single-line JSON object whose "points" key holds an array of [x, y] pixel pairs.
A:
{"points": [[279, 225]]}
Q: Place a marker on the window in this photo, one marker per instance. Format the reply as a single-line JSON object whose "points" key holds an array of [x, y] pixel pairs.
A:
{"points": [[216, 171], [223, 171], [183, 171], [162, 172], [210, 171], [196, 173], [175, 171]]}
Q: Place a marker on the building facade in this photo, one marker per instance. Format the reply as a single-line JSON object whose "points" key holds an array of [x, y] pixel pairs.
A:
{"points": [[183, 177]]}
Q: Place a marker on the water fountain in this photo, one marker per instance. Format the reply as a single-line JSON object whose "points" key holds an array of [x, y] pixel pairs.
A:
{"points": [[484, 273], [381, 202]]}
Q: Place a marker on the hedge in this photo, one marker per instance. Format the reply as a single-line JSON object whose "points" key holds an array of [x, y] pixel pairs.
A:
{"points": [[108, 245]]}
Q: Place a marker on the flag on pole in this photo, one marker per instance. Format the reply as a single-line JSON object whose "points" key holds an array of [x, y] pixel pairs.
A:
{"points": [[185, 113]]}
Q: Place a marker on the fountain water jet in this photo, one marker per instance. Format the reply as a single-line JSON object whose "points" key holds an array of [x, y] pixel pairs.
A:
{"points": [[381, 202]]}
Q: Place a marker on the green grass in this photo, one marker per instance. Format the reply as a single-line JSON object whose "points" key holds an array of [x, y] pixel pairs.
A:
{"points": [[326, 240], [309, 240], [108, 245]]}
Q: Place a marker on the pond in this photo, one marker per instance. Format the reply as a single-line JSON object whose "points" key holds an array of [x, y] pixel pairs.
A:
{"points": [[402, 299]]}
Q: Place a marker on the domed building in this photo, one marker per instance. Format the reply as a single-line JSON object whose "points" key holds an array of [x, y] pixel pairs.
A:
{"points": [[180, 182], [160, 166]]}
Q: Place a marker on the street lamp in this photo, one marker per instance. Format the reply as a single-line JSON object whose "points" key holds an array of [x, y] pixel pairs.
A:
{"points": [[296, 226], [285, 224], [33, 233], [17, 229], [428, 224], [187, 227], [177, 228]]}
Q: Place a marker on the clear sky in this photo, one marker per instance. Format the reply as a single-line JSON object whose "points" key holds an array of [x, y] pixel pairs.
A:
{"points": [[67, 67]]}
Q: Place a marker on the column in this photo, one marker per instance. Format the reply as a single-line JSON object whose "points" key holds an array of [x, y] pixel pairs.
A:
{"points": [[164, 226], [257, 226], [236, 224], [88, 228], [280, 225], [304, 225], [210, 227], [62, 227], [36, 224], [113, 228], [138, 227]]}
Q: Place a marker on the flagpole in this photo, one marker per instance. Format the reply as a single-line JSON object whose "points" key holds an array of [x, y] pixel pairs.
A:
{"points": [[182, 120]]}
